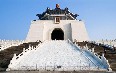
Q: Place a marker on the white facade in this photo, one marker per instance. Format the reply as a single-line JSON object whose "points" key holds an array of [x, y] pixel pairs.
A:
{"points": [[42, 30]]}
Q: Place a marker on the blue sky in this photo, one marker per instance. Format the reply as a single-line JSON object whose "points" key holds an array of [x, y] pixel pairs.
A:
{"points": [[99, 16]]}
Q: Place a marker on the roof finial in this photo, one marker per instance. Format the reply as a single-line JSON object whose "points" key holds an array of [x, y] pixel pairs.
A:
{"points": [[57, 6]]}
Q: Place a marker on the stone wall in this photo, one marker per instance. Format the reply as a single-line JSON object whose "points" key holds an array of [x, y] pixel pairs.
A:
{"points": [[42, 29]]}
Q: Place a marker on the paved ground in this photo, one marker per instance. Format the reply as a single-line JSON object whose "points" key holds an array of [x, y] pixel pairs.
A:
{"points": [[56, 72]]}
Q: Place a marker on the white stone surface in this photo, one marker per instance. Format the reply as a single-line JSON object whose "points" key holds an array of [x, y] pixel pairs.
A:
{"points": [[42, 29], [51, 54], [4, 44], [107, 42]]}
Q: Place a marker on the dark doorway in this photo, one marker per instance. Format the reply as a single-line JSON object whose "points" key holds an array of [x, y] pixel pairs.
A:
{"points": [[57, 34]]}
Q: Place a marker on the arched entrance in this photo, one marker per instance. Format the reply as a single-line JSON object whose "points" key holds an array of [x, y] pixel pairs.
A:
{"points": [[57, 34]]}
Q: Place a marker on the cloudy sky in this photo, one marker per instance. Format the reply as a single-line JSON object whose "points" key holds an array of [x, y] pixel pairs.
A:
{"points": [[99, 16]]}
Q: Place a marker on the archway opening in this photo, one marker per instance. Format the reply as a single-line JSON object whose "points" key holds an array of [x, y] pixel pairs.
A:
{"points": [[57, 34]]}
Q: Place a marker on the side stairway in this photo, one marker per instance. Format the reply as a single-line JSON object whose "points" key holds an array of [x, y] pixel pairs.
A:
{"points": [[58, 55], [7, 54], [99, 48]]}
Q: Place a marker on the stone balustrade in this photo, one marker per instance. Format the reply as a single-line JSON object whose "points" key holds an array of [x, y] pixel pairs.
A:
{"points": [[107, 42], [4, 44], [101, 59]]}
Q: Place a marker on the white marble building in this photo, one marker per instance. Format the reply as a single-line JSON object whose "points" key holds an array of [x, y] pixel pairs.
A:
{"points": [[59, 24], [60, 54]]}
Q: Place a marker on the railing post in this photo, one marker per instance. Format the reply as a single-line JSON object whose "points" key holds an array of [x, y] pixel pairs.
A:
{"points": [[93, 50], [23, 49]]}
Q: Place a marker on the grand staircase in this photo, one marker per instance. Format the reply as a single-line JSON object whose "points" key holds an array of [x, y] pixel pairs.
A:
{"points": [[57, 55]]}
